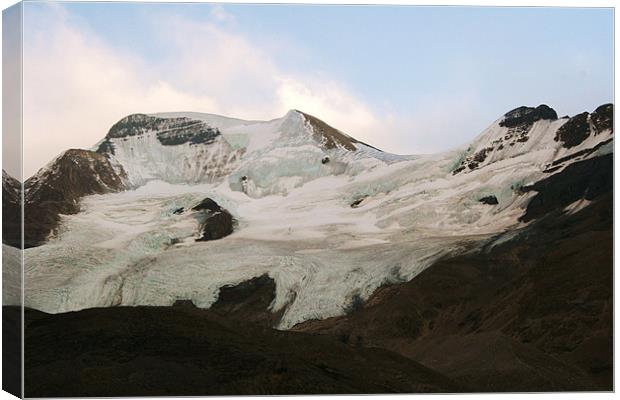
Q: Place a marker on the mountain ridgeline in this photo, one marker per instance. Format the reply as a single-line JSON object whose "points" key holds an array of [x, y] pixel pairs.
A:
{"points": [[311, 262], [193, 150]]}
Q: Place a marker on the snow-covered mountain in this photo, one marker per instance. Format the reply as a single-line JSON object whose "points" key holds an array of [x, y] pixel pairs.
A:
{"points": [[274, 156], [555, 141], [328, 218]]}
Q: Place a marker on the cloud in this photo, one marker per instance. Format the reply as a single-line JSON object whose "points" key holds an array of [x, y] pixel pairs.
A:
{"points": [[332, 103], [76, 86], [219, 14]]}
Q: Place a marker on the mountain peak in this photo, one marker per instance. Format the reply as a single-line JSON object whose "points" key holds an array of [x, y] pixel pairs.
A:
{"points": [[522, 131], [328, 136], [525, 115]]}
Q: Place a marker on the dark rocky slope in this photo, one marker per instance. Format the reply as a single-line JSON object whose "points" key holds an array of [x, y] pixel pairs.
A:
{"points": [[584, 180], [581, 126], [249, 301], [182, 351], [574, 131], [12, 351], [603, 118], [58, 188], [329, 137], [11, 210], [533, 313]]}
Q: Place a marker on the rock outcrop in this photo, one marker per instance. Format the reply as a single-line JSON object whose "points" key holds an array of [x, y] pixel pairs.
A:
{"points": [[580, 127], [170, 131], [603, 118], [526, 116], [489, 200], [249, 301], [328, 136], [574, 131], [58, 188], [218, 222], [581, 181]]}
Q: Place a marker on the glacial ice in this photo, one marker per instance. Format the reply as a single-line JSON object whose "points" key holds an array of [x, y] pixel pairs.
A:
{"points": [[294, 219]]}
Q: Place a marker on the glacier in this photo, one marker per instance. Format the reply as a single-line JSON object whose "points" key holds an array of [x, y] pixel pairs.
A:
{"points": [[294, 216]]}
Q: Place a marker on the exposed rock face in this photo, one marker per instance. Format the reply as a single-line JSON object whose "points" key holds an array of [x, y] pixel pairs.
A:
{"points": [[576, 156], [583, 180], [248, 301], [194, 134], [490, 200], [574, 131], [11, 210], [528, 115], [328, 136], [138, 124], [473, 161], [603, 118], [170, 131], [519, 123], [57, 189], [217, 226], [184, 304], [582, 126], [218, 222], [106, 147]]}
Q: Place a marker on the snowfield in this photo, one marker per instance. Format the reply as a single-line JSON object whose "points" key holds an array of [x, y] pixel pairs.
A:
{"points": [[295, 219]]}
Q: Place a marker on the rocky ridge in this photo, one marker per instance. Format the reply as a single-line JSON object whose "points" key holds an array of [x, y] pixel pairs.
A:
{"points": [[58, 188]]}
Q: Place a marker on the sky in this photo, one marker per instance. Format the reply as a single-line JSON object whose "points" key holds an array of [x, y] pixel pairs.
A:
{"points": [[406, 79]]}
